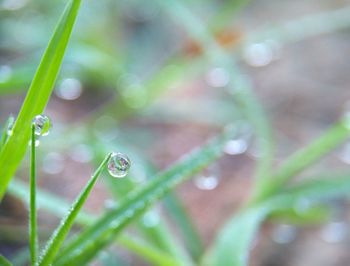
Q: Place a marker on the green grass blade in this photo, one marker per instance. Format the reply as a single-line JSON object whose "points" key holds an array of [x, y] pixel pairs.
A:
{"points": [[4, 261], [57, 238], [38, 95], [102, 232], [33, 236], [305, 157], [59, 208], [189, 233]]}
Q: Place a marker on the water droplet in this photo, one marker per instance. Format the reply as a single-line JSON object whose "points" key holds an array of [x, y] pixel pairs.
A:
{"points": [[118, 165], [218, 77], [284, 234], [5, 73], [261, 54], [208, 179], [70, 89], [37, 143], [334, 232], [53, 163], [81, 153], [42, 125], [151, 218], [235, 146]]}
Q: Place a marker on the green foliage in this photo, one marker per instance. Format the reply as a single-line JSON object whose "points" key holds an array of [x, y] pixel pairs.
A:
{"points": [[274, 196], [38, 95]]}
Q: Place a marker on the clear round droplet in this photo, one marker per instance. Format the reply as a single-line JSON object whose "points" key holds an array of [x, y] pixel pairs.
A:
{"points": [[118, 165], [284, 234], [261, 54], [208, 179], [335, 232], [235, 146], [70, 89], [42, 124]]}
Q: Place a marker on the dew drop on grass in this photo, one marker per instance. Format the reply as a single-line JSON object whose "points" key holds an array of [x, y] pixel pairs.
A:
{"points": [[208, 179], [118, 165], [235, 146], [42, 124], [262, 53], [70, 89]]}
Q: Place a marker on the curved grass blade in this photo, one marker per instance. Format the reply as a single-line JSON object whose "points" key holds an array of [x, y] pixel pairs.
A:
{"points": [[57, 238], [59, 208], [38, 95], [99, 235], [33, 236], [4, 261]]}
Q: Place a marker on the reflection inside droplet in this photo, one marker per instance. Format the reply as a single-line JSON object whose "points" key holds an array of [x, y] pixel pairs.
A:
{"points": [[69, 89], [42, 125], [118, 165]]}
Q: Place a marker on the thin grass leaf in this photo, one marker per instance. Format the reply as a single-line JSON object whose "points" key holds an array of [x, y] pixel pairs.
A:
{"points": [[232, 245], [4, 261], [59, 208], [300, 160], [186, 227], [33, 234], [38, 95], [57, 238], [83, 248]]}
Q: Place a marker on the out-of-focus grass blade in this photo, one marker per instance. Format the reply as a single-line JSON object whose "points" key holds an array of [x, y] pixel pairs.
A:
{"points": [[57, 238], [231, 247], [37, 96], [101, 233], [4, 261], [189, 233], [33, 236], [59, 208]]}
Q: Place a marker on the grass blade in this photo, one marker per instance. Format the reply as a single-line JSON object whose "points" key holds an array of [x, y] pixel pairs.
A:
{"points": [[57, 238], [59, 208], [4, 261], [104, 230], [38, 95], [305, 157], [33, 236]]}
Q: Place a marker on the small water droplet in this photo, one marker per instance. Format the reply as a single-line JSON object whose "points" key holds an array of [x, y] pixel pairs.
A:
{"points": [[151, 218], [218, 77], [70, 89], [334, 232], [42, 124], [81, 153], [261, 54], [118, 165], [53, 163], [37, 143], [5, 73], [235, 146], [208, 179], [284, 234]]}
